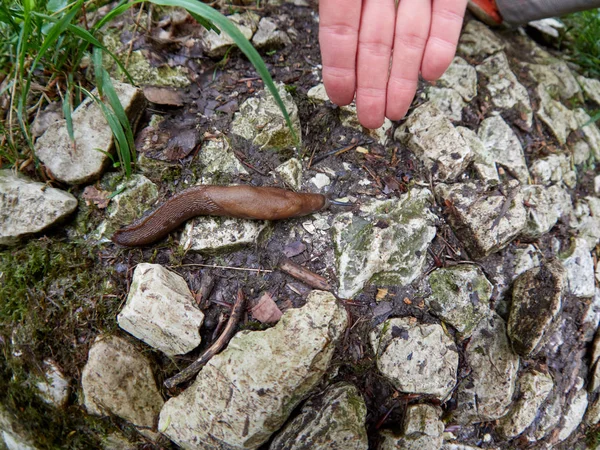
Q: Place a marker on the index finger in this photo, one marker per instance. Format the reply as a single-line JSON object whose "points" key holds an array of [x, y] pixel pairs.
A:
{"points": [[338, 37]]}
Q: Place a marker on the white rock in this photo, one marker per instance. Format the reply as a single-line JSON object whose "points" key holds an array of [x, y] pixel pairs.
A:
{"points": [[269, 36], [432, 137], [550, 26], [484, 160], [161, 311], [422, 430], [503, 146], [212, 234], [477, 40], [54, 387], [552, 169], [216, 45], [590, 131], [320, 180], [591, 88], [573, 415], [86, 162], [559, 119], [349, 118], [118, 380], [562, 203], [318, 94], [525, 259], [555, 78], [579, 266], [28, 207], [448, 101], [550, 415], [505, 90], [591, 319], [291, 172], [542, 214], [416, 358], [217, 158], [15, 442], [334, 420], [462, 77], [486, 394], [534, 388], [245, 393], [597, 184]]}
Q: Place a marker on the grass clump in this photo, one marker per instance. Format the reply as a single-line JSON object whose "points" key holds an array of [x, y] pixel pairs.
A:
{"points": [[583, 32]]}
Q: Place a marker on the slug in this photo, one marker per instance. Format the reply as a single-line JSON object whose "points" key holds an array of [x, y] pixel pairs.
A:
{"points": [[244, 202]]}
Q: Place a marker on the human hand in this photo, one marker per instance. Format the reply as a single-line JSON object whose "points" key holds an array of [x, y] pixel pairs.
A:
{"points": [[357, 38]]}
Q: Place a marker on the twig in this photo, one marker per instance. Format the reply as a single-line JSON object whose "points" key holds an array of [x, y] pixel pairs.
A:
{"points": [[191, 370], [206, 286], [506, 205], [246, 269], [304, 275]]}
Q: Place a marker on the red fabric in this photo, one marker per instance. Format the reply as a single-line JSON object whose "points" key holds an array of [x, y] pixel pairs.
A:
{"points": [[490, 8]]}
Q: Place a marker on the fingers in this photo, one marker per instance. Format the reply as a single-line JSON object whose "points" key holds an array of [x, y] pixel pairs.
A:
{"points": [[373, 60], [338, 37], [446, 22], [412, 29]]}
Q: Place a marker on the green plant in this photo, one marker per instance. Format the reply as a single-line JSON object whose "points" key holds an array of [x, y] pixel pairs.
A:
{"points": [[583, 40]]}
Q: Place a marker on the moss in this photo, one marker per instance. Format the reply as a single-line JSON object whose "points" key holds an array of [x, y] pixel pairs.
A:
{"points": [[55, 298]]}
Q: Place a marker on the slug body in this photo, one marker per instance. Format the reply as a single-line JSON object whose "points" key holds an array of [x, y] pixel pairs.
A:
{"points": [[244, 202]]}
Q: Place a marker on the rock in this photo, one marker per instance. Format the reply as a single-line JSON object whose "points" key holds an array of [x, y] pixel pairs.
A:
{"points": [[12, 433], [54, 386], [559, 119], [478, 41], [448, 101], [118, 380], [422, 430], [562, 203], [461, 77], [542, 214], [416, 358], [591, 319], [505, 90], [291, 173], [216, 234], [49, 115], [534, 388], [474, 213], [536, 301], [320, 180], [260, 120], [393, 253], [590, 131], [318, 94], [16, 442], [587, 220], [486, 394], [553, 169], [591, 88], [525, 259], [484, 161], [268, 36], [573, 414], [592, 414], [460, 296], [503, 146], [432, 137], [161, 311], [28, 207], [550, 415], [581, 152], [216, 45], [93, 138], [594, 382], [597, 184], [217, 159], [549, 29], [349, 118], [555, 78], [334, 420], [579, 267], [246, 392]]}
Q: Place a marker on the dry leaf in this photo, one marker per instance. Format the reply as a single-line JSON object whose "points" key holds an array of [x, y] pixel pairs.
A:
{"points": [[381, 293], [407, 301], [163, 96], [93, 195], [266, 311], [362, 150]]}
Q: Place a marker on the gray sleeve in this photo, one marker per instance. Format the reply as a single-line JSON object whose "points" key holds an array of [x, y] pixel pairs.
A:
{"points": [[522, 11]]}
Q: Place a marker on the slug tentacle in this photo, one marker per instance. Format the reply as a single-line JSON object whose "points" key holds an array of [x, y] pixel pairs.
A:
{"points": [[245, 202]]}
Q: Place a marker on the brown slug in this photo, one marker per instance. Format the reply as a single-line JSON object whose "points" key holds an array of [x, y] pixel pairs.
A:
{"points": [[244, 202]]}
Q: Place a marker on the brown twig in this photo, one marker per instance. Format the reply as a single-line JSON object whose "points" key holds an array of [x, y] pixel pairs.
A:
{"points": [[304, 275], [191, 370], [212, 266], [206, 286]]}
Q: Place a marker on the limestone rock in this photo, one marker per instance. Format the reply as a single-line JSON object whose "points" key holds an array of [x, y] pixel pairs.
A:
{"points": [[553, 169], [486, 394], [550, 415], [215, 234], [579, 267], [118, 380], [260, 120], [474, 214], [534, 388], [422, 430], [505, 90], [28, 207], [484, 160], [318, 93], [448, 101], [590, 131], [349, 118], [587, 220], [461, 77], [549, 29], [592, 414], [542, 213], [216, 45], [559, 119], [555, 78], [217, 159], [334, 420], [573, 414], [93, 138], [54, 386], [594, 382], [591, 319], [460, 296], [435, 141], [416, 358], [161, 311], [536, 300], [478, 41], [268, 36], [503, 146], [392, 254], [245, 393], [591, 88], [291, 172]]}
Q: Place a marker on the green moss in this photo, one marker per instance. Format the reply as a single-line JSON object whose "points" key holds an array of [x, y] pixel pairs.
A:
{"points": [[55, 298]]}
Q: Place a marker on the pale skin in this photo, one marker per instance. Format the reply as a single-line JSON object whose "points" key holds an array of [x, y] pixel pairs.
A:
{"points": [[359, 38]]}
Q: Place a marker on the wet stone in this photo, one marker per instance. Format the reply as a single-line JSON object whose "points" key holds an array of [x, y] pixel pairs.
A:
{"points": [[386, 244], [579, 267], [416, 358], [534, 388], [28, 207], [474, 216], [536, 300], [161, 311], [93, 138], [505, 90], [245, 393], [431, 136], [422, 430], [334, 420], [461, 77], [459, 296], [486, 394], [478, 41]]}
